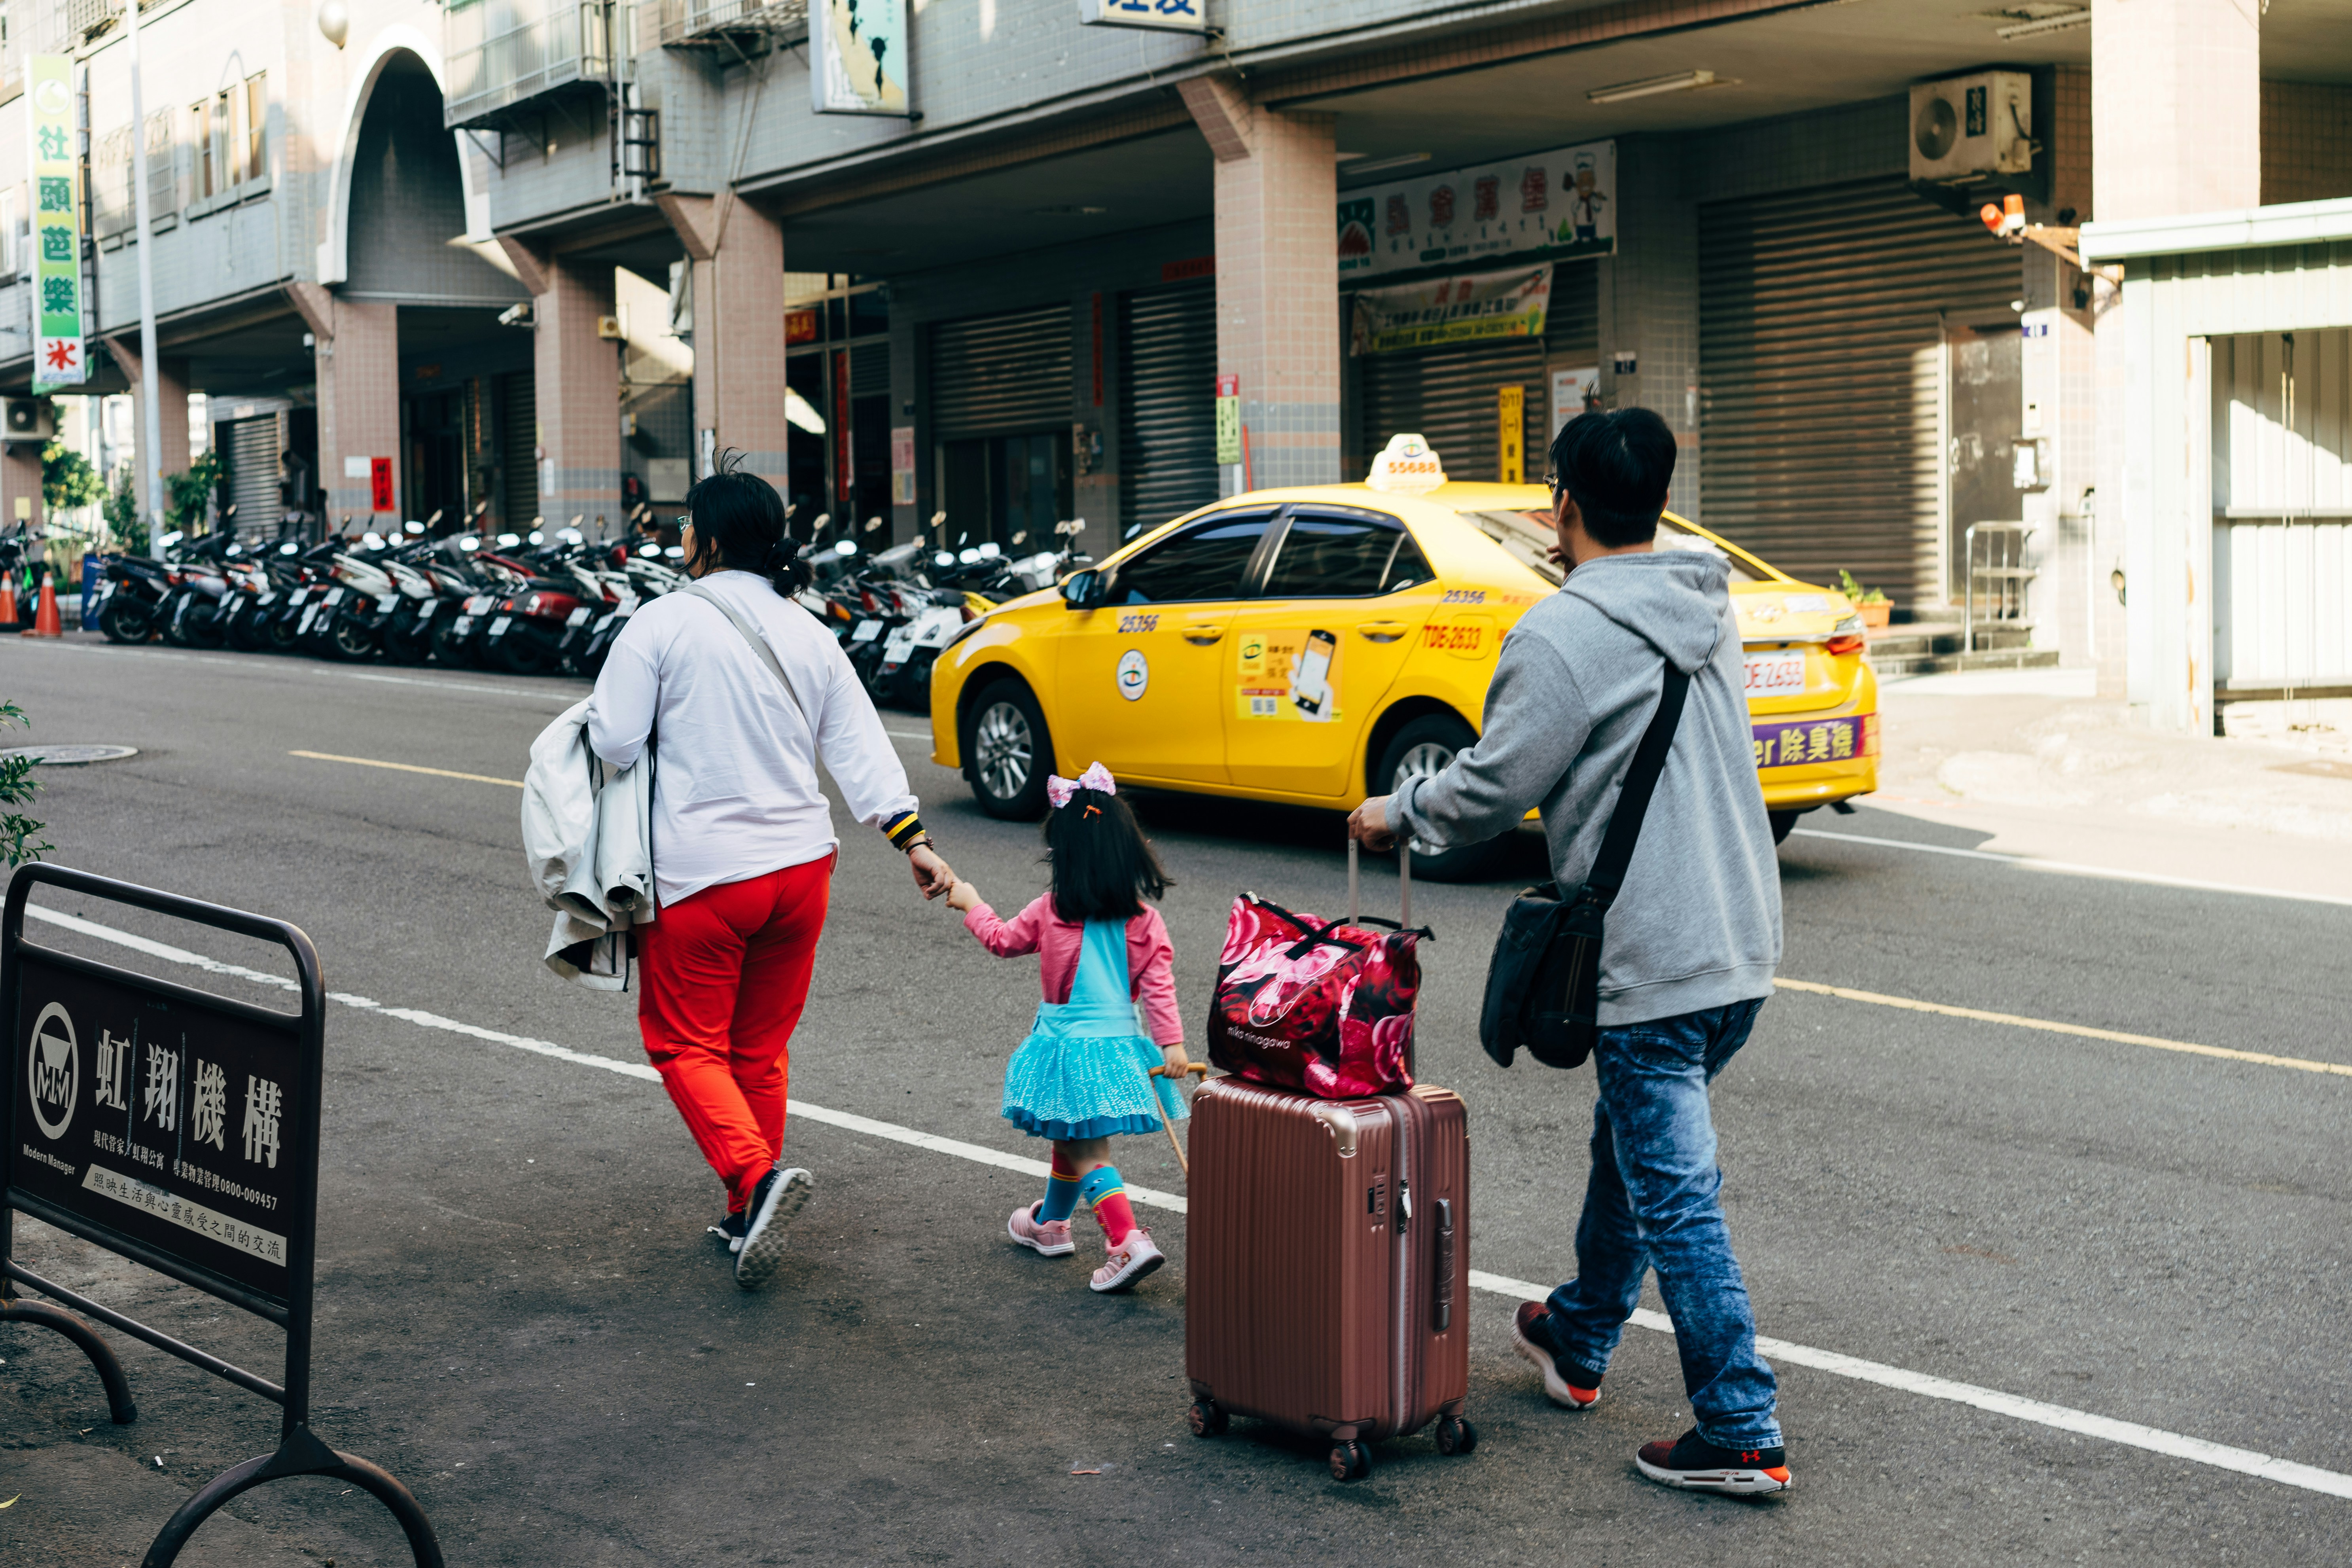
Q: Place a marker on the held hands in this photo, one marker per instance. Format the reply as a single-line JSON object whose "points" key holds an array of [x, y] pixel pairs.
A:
{"points": [[1368, 824], [963, 898], [933, 875], [1173, 1063]]}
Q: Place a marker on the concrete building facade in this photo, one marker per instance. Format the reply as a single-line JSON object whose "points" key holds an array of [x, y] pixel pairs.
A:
{"points": [[549, 262]]}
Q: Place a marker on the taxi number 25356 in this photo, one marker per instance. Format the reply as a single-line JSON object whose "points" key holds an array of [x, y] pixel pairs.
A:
{"points": [[1139, 622], [1454, 640]]}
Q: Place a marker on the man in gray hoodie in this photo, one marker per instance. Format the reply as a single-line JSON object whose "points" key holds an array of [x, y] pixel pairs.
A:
{"points": [[1692, 941]]}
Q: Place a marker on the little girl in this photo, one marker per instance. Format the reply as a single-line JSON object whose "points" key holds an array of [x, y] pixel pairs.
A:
{"points": [[1083, 1073]]}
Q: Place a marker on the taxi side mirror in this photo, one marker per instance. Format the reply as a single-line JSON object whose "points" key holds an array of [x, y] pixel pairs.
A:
{"points": [[1083, 591]]}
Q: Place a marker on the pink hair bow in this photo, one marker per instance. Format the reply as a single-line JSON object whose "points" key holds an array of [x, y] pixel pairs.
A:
{"points": [[1097, 777]]}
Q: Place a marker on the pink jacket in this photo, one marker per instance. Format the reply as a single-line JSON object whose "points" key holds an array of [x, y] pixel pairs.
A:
{"points": [[1150, 958]]}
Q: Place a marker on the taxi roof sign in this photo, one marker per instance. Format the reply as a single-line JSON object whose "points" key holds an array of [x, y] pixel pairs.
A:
{"points": [[1407, 466]]}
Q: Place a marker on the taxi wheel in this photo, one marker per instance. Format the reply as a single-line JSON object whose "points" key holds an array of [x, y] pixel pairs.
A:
{"points": [[1006, 752], [1428, 746]]}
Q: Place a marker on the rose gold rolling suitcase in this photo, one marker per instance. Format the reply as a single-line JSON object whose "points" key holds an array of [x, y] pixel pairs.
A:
{"points": [[1328, 1266]]}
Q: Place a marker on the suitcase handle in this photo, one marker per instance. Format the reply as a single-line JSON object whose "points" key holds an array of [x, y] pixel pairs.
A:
{"points": [[1441, 1311], [1404, 883]]}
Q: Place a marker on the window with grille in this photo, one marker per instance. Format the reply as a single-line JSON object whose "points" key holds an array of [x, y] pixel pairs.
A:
{"points": [[162, 165]]}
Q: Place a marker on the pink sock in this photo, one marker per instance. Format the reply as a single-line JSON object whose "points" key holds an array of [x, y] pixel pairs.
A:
{"points": [[1117, 1220]]}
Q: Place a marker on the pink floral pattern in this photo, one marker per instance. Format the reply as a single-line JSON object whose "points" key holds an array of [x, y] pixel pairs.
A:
{"points": [[1334, 1020]]}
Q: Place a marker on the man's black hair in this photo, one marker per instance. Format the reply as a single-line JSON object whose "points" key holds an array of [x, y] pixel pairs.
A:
{"points": [[1616, 464], [1103, 868], [739, 526]]}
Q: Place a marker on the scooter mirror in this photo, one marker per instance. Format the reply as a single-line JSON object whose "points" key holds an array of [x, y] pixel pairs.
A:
{"points": [[872, 523]]}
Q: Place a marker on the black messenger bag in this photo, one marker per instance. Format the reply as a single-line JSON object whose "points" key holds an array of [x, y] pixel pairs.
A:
{"points": [[1543, 985]]}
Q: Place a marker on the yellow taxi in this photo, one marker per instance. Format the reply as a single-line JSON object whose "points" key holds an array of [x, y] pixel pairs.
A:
{"points": [[1317, 646]]}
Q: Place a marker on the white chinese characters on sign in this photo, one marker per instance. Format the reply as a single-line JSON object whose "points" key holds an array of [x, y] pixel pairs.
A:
{"points": [[113, 1073], [162, 1101], [263, 1102], [211, 1107]]}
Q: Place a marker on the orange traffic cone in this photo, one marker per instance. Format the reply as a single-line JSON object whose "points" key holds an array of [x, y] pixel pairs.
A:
{"points": [[46, 622]]}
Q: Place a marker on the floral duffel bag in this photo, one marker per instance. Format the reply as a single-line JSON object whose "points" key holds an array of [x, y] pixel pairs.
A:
{"points": [[1324, 1007]]}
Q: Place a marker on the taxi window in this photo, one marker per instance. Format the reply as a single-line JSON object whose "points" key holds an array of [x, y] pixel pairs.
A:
{"points": [[1203, 562], [1530, 537], [1343, 558]]}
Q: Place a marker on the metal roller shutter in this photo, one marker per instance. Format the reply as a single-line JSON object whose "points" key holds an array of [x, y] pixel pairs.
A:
{"points": [[1168, 413], [1447, 395], [252, 452], [518, 439], [996, 375], [869, 368], [1821, 371]]}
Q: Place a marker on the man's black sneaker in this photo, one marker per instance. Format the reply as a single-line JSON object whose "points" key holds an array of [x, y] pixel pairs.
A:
{"points": [[1565, 1382], [778, 1198], [730, 1231], [1696, 1465]]}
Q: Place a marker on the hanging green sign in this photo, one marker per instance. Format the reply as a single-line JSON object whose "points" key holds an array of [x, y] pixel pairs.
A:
{"points": [[58, 358]]}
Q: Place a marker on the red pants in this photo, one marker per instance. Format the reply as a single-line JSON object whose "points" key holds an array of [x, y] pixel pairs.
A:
{"points": [[725, 976]]}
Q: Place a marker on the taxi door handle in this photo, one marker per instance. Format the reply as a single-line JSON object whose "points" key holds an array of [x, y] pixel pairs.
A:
{"points": [[1203, 634], [1383, 631]]}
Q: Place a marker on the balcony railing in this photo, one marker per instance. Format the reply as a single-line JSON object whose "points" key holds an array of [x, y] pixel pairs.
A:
{"points": [[501, 52], [685, 23]]}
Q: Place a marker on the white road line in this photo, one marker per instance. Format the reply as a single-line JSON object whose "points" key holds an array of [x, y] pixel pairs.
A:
{"points": [[907, 735], [2131, 1434], [2073, 868], [452, 682]]}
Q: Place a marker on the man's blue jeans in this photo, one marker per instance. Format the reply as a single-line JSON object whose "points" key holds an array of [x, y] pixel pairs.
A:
{"points": [[1651, 1202]]}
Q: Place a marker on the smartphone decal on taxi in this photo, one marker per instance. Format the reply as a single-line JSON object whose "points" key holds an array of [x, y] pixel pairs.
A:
{"points": [[1288, 674]]}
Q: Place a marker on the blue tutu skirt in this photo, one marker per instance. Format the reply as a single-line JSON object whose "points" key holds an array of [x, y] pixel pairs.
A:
{"points": [[1085, 1069]]}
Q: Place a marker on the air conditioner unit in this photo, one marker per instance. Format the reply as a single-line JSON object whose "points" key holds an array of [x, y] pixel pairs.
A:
{"points": [[28, 419], [1968, 128]]}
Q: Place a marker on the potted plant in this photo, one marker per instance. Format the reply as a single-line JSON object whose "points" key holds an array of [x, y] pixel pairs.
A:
{"points": [[1871, 602]]}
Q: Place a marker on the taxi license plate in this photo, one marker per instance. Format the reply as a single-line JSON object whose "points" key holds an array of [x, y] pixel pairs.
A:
{"points": [[498, 626], [1776, 674], [866, 631]]}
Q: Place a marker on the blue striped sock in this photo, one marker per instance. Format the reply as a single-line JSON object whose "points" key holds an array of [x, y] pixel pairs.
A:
{"points": [[1061, 1200]]}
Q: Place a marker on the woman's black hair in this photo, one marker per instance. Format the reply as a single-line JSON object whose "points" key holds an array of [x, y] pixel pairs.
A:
{"points": [[741, 525], [1103, 865]]}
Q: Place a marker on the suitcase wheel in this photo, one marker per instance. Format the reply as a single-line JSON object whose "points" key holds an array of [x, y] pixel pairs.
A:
{"points": [[1350, 1462], [1456, 1436], [1209, 1419]]}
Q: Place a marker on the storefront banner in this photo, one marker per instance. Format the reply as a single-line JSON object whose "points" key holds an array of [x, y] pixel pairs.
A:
{"points": [[1159, 16], [58, 358], [857, 57], [1463, 310], [1559, 205]]}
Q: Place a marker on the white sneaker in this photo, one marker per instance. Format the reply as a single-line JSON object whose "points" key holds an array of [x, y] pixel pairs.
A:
{"points": [[781, 1196], [1129, 1261]]}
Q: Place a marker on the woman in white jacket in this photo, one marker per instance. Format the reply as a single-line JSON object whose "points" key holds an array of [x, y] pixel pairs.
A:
{"points": [[743, 846]]}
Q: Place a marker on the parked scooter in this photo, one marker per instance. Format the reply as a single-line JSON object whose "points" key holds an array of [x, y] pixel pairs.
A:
{"points": [[130, 595]]}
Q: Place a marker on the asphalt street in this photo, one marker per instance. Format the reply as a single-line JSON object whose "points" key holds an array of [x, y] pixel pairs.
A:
{"points": [[521, 1316]]}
